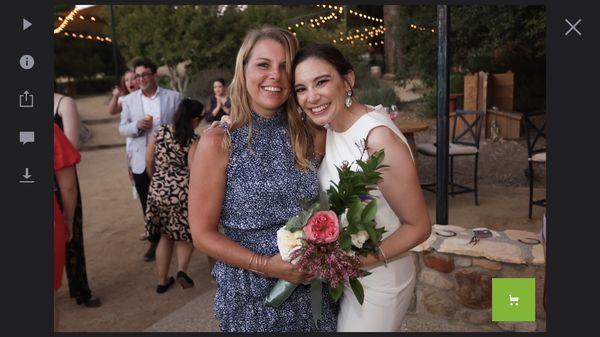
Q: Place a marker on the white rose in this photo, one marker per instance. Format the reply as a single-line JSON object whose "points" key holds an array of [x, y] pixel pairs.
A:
{"points": [[359, 238], [349, 252], [288, 242]]}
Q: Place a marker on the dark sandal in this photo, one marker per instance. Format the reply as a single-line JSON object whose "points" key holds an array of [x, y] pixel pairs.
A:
{"points": [[184, 280], [161, 288], [92, 302]]}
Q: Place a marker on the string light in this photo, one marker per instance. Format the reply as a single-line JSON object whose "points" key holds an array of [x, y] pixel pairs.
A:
{"points": [[66, 21], [364, 16], [316, 21], [352, 35], [70, 17], [87, 37], [415, 27]]}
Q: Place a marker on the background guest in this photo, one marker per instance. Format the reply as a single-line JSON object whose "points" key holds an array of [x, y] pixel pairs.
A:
{"points": [[66, 118], [219, 104], [65, 159], [143, 110], [167, 159], [127, 85]]}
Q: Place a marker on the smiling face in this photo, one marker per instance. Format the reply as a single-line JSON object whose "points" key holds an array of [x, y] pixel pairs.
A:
{"points": [[321, 90], [267, 80], [146, 79]]}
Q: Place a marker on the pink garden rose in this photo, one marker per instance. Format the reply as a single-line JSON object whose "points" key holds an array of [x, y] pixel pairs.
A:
{"points": [[322, 227]]}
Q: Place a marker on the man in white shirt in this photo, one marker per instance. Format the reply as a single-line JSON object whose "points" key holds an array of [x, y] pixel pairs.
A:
{"points": [[143, 110]]}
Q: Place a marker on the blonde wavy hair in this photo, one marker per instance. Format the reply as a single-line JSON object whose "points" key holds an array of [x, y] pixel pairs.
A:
{"points": [[299, 130]]}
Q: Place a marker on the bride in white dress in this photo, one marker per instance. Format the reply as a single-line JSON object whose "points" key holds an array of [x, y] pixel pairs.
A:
{"points": [[323, 83]]}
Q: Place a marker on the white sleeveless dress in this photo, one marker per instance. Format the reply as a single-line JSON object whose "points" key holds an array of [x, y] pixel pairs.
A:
{"points": [[388, 291]]}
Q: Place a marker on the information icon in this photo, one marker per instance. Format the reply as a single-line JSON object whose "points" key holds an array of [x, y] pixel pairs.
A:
{"points": [[26, 62]]}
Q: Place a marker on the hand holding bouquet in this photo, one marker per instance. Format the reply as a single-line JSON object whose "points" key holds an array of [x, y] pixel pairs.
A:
{"points": [[328, 236]]}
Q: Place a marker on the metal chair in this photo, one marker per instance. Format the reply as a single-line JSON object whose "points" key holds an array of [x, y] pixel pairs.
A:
{"points": [[534, 125], [465, 142]]}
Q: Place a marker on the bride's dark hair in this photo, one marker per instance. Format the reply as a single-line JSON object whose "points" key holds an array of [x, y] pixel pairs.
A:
{"points": [[325, 52]]}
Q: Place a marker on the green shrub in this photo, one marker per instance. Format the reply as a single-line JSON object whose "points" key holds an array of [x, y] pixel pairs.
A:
{"points": [[428, 105], [201, 87], [364, 80], [384, 95]]}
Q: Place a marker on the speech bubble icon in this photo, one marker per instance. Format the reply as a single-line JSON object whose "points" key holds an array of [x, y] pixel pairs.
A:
{"points": [[26, 137]]}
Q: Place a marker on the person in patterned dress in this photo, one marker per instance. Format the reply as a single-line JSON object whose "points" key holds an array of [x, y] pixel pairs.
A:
{"points": [[167, 158], [251, 178]]}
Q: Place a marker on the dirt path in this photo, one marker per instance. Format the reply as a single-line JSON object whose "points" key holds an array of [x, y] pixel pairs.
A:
{"points": [[112, 223]]}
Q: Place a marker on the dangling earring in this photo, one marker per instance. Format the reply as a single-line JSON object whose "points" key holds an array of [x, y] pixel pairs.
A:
{"points": [[301, 113], [348, 101]]}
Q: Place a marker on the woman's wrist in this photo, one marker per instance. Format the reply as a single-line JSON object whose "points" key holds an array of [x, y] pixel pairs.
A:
{"points": [[258, 264]]}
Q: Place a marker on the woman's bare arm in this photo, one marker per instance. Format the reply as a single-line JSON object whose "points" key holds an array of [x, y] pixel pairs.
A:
{"points": [[68, 111], [206, 196], [191, 153], [401, 189], [67, 184], [114, 107], [149, 157]]}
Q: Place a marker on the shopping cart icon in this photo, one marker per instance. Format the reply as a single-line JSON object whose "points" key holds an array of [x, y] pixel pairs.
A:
{"points": [[513, 300]]}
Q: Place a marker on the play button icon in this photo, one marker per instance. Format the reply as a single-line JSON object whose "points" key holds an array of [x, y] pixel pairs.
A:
{"points": [[26, 24]]}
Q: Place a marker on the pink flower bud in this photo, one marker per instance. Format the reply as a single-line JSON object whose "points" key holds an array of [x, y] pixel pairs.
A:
{"points": [[322, 227]]}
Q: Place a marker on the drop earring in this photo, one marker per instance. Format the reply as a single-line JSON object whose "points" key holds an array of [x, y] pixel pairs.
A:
{"points": [[348, 100], [301, 113]]}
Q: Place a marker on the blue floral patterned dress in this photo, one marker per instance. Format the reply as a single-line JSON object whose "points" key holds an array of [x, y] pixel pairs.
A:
{"points": [[263, 190]]}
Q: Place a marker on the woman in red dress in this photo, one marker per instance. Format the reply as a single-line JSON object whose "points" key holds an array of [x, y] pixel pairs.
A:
{"points": [[65, 159]]}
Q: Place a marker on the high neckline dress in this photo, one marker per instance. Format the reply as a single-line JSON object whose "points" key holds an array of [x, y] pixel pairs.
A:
{"points": [[263, 190]]}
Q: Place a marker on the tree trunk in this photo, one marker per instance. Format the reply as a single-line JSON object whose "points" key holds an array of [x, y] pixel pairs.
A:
{"points": [[176, 79], [393, 44]]}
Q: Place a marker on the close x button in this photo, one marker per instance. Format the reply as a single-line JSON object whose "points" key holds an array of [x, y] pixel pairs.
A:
{"points": [[572, 30]]}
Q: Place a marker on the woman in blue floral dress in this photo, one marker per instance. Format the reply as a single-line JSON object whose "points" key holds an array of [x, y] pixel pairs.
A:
{"points": [[250, 178]]}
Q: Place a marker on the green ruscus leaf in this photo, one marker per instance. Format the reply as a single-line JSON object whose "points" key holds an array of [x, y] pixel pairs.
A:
{"points": [[372, 233], [355, 211], [358, 290], [336, 293], [368, 214], [345, 241]]}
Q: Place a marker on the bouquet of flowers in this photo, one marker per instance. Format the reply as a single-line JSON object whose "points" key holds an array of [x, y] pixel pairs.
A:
{"points": [[329, 235]]}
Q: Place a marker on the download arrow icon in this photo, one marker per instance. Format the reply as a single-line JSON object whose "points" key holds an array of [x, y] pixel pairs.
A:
{"points": [[27, 175]]}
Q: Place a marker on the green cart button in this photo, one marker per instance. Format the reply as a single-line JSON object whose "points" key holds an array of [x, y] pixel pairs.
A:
{"points": [[513, 299]]}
